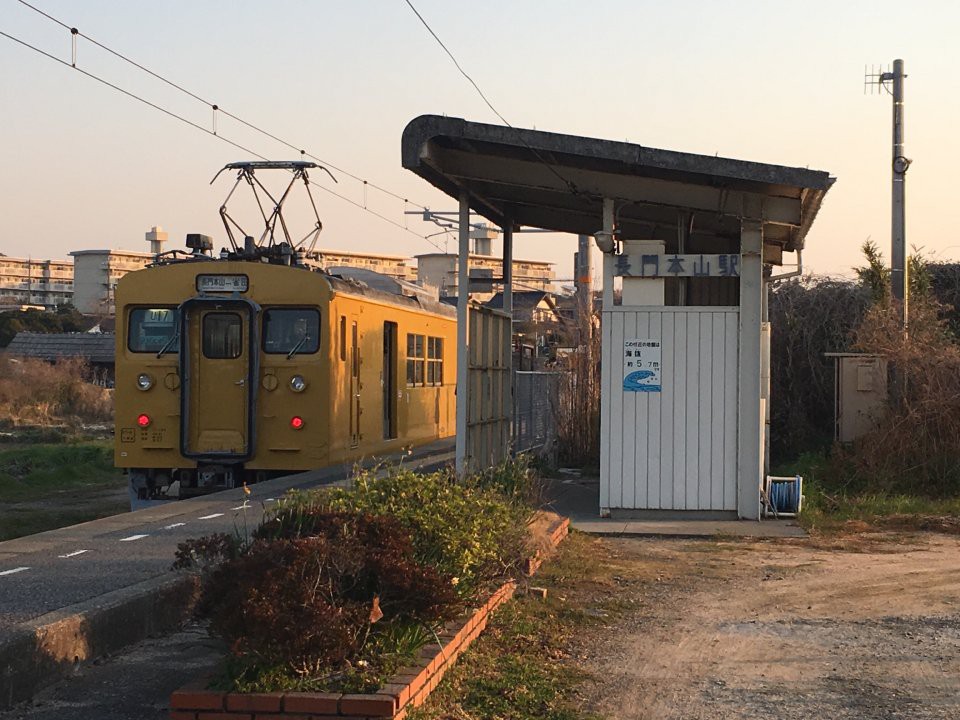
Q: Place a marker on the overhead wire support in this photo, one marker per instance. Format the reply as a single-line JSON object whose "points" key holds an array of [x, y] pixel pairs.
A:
{"points": [[214, 132]]}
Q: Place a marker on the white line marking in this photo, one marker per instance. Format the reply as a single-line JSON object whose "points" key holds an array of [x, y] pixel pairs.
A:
{"points": [[239, 507], [270, 500], [209, 517], [132, 537], [73, 554], [175, 525], [15, 570]]}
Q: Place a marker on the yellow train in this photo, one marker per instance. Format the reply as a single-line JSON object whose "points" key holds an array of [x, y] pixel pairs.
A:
{"points": [[236, 369]]}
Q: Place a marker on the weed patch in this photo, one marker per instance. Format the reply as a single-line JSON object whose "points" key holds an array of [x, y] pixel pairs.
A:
{"points": [[40, 471], [524, 665]]}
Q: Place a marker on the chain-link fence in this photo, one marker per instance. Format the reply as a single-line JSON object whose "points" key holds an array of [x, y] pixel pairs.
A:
{"points": [[534, 410]]}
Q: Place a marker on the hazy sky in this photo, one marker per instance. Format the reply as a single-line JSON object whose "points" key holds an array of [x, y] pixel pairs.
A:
{"points": [[82, 166]]}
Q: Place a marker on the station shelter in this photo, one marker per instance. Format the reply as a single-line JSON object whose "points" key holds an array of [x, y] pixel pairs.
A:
{"points": [[690, 245]]}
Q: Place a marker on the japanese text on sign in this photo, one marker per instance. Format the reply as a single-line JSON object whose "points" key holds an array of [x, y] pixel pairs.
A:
{"points": [[641, 365], [661, 266]]}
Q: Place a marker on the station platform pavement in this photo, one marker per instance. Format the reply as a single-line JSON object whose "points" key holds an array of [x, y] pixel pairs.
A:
{"points": [[577, 496]]}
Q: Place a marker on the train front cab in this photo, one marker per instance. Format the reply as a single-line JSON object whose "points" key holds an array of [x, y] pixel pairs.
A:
{"points": [[231, 392]]}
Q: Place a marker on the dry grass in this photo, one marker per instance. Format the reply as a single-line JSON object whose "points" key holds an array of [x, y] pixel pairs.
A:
{"points": [[578, 407], [915, 448], [34, 392]]}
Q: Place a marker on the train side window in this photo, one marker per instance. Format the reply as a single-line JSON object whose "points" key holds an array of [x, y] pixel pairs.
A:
{"points": [[343, 337], [415, 360], [222, 336], [291, 330], [152, 330], [434, 361]]}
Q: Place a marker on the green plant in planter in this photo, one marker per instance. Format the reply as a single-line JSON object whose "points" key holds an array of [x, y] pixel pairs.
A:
{"points": [[464, 530], [318, 605]]}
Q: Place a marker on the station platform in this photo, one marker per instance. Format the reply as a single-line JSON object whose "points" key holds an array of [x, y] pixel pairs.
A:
{"points": [[81, 592], [577, 496]]}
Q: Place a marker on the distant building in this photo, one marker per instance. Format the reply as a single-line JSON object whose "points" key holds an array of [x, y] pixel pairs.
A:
{"points": [[95, 348], [394, 266], [439, 270], [37, 283], [95, 276], [530, 306]]}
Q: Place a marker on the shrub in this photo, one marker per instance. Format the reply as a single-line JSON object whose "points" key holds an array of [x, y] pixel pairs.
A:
{"points": [[915, 448], [516, 479], [462, 529], [809, 316], [307, 599]]}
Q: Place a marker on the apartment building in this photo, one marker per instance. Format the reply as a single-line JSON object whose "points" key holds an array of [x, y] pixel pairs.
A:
{"points": [[38, 283], [439, 270], [96, 273], [394, 266]]}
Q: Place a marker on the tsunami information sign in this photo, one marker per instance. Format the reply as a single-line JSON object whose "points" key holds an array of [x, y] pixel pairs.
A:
{"points": [[641, 365]]}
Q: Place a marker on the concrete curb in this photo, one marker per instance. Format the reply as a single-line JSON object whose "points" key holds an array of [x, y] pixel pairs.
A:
{"points": [[39, 652]]}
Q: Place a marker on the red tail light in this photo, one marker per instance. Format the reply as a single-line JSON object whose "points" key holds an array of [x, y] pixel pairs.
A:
{"points": [[143, 420], [296, 422]]}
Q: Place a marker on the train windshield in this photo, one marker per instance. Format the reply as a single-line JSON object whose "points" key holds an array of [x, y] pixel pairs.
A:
{"points": [[291, 330], [152, 329]]}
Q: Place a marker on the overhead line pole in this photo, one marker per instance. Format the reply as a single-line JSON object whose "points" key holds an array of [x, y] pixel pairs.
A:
{"points": [[898, 255]]}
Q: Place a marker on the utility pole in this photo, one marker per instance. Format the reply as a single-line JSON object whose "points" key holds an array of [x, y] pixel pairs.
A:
{"points": [[899, 280]]}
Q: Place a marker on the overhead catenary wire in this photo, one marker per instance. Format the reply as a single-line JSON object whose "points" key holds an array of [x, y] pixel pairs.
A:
{"points": [[217, 108], [214, 133], [571, 186]]}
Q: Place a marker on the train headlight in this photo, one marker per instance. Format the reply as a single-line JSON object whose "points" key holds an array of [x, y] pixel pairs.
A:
{"points": [[144, 381], [297, 383], [143, 420], [296, 422]]}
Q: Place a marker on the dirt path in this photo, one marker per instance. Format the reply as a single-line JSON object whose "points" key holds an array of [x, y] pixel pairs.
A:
{"points": [[738, 630]]}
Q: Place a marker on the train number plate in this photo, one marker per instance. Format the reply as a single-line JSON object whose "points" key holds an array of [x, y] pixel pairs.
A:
{"points": [[221, 283]]}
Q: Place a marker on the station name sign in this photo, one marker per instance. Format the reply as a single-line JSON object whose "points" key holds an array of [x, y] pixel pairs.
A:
{"points": [[664, 266], [222, 283]]}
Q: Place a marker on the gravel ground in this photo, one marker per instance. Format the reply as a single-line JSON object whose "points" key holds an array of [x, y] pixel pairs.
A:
{"points": [[774, 630]]}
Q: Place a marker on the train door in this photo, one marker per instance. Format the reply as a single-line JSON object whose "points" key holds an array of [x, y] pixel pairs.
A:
{"points": [[218, 361], [388, 379], [355, 385]]}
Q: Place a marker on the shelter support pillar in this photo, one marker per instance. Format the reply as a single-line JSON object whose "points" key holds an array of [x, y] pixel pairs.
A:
{"points": [[605, 370], [609, 261], [751, 420], [507, 233], [463, 349]]}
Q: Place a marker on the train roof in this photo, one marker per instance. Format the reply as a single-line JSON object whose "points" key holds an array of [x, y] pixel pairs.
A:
{"points": [[420, 301], [368, 284]]}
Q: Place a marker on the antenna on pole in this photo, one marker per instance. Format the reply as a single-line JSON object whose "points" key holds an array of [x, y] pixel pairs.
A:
{"points": [[892, 82]]}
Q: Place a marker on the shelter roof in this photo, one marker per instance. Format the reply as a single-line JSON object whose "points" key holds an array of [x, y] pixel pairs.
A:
{"points": [[547, 180]]}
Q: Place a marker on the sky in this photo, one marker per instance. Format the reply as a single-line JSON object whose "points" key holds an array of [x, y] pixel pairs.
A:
{"points": [[83, 166]]}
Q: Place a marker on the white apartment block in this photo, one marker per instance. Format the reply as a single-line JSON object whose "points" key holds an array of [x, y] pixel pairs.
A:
{"points": [[394, 266], [25, 281], [96, 273], [439, 270]]}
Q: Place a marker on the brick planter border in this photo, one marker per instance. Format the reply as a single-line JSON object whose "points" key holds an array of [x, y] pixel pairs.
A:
{"points": [[408, 688]]}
